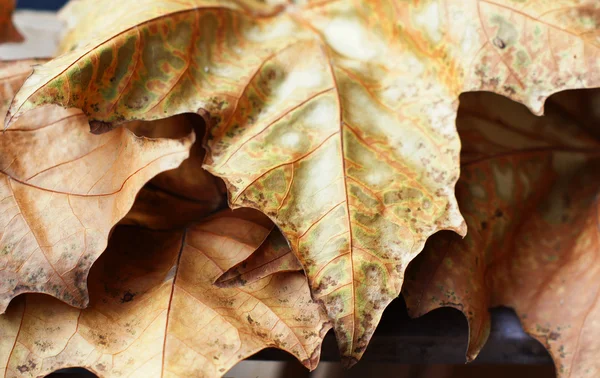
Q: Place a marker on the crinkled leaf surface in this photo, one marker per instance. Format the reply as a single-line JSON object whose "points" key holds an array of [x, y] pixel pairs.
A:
{"points": [[529, 193], [61, 191], [154, 312], [181, 196], [335, 118], [189, 181], [8, 32], [273, 256]]}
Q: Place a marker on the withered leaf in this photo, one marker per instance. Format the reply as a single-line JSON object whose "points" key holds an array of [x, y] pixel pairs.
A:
{"points": [[273, 256], [189, 180], [155, 312], [181, 196], [240, 232], [529, 193], [8, 32], [335, 118], [13, 74], [61, 191], [157, 209]]}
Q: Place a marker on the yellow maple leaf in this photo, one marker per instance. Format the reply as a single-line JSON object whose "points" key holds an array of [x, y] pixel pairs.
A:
{"points": [[335, 118]]}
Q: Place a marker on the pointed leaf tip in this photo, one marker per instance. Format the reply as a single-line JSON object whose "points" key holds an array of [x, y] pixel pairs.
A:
{"points": [[351, 150], [154, 310], [529, 192], [61, 191]]}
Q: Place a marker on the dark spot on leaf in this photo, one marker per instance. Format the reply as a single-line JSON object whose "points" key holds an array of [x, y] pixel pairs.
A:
{"points": [[510, 90], [44, 345], [23, 368], [127, 297], [498, 213], [499, 43], [325, 283]]}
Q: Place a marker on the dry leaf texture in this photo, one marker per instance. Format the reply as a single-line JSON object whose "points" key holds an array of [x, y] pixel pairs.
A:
{"points": [[13, 75], [190, 181], [529, 192], [61, 191], [273, 256], [154, 312], [335, 118], [181, 196]]}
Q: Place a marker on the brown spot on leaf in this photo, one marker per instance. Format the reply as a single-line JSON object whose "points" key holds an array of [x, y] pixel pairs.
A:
{"points": [[127, 297], [25, 368], [499, 43], [325, 283]]}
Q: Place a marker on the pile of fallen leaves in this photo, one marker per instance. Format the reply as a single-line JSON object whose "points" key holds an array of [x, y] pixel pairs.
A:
{"points": [[331, 128]]}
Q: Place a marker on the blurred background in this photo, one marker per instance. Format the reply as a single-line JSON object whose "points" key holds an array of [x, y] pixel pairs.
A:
{"points": [[40, 4]]}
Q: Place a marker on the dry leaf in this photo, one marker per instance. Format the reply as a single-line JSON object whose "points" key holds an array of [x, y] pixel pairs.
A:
{"points": [[273, 256], [335, 118], [581, 106], [190, 180], [154, 312], [8, 32], [78, 17], [240, 232], [12, 76], [159, 210], [61, 191], [529, 192], [181, 196]]}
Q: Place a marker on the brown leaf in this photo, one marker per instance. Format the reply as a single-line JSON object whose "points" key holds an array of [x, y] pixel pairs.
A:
{"points": [[155, 312], [180, 196], [190, 180], [12, 76], [581, 106], [159, 210], [335, 118], [61, 191], [273, 256], [528, 190], [240, 233], [8, 32]]}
